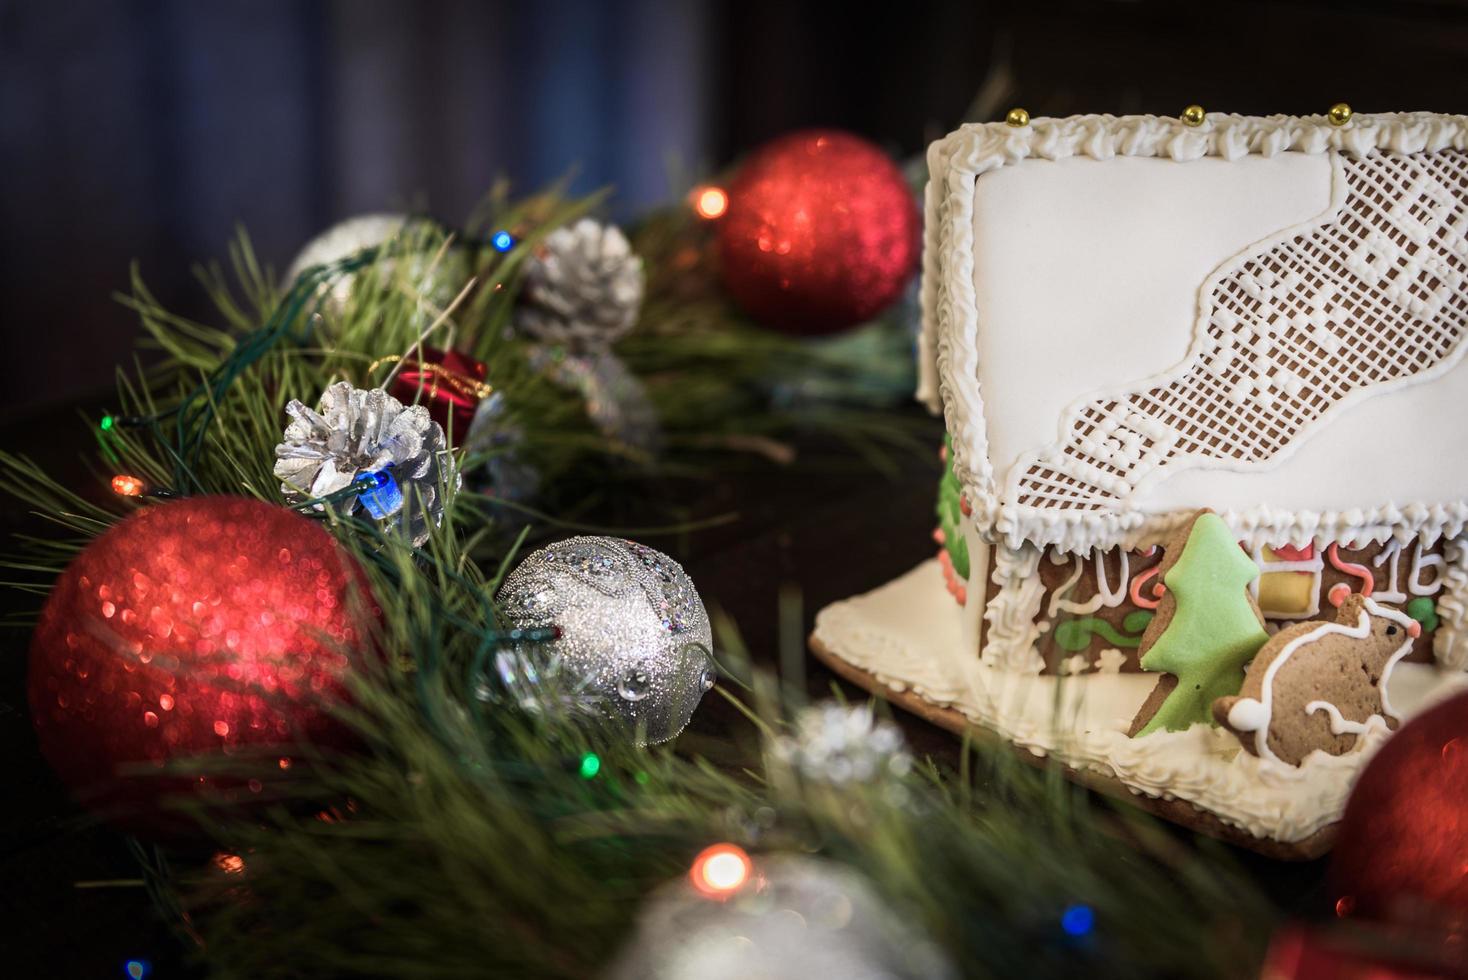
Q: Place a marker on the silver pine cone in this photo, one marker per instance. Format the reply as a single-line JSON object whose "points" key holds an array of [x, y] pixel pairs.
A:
{"points": [[356, 431], [583, 288]]}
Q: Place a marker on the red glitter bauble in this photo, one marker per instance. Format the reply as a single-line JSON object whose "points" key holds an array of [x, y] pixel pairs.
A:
{"points": [[1402, 851], [203, 625], [821, 233]]}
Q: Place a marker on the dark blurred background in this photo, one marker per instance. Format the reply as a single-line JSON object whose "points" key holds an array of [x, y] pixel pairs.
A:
{"points": [[147, 130]]}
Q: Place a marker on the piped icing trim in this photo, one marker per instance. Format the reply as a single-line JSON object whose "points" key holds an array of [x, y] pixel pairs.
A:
{"points": [[1013, 613], [1257, 527], [950, 321], [1450, 642]]}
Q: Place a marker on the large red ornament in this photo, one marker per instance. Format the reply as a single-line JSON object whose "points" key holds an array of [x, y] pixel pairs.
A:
{"points": [[1402, 851], [821, 233], [204, 625]]}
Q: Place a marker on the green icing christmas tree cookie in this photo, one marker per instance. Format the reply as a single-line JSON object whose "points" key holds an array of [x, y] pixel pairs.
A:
{"points": [[950, 514], [1207, 627]]}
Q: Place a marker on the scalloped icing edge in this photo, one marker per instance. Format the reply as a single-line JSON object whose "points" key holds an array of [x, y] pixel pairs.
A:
{"points": [[948, 348]]}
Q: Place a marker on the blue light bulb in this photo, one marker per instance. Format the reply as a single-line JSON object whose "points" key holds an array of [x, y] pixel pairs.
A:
{"points": [[502, 241], [1078, 920], [381, 495]]}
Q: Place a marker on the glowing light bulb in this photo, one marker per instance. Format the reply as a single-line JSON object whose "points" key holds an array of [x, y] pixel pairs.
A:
{"points": [[230, 864], [128, 486], [710, 202], [1078, 920], [720, 871], [502, 241], [590, 765]]}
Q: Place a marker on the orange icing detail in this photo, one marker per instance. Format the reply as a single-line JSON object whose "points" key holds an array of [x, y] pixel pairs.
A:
{"points": [[1340, 590], [1157, 589]]}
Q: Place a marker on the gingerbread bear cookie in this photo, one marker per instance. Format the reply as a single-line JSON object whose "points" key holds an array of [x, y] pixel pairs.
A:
{"points": [[1207, 626], [1318, 685]]}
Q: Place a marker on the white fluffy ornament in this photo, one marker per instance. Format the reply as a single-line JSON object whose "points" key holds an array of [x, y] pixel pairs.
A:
{"points": [[796, 918], [438, 282], [836, 743], [633, 628], [356, 433]]}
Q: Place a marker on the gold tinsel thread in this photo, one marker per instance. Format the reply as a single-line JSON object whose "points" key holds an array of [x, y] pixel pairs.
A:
{"points": [[1193, 115]]}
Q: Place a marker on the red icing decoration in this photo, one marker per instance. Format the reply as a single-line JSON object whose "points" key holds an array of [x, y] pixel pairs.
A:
{"points": [[209, 624], [822, 233], [1287, 552], [965, 506], [1402, 851]]}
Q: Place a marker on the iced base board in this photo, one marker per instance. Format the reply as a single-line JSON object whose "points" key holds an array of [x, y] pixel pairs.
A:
{"points": [[905, 641]]}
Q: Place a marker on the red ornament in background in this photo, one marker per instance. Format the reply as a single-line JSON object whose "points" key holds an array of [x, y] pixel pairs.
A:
{"points": [[203, 625], [450, 384], [821, 233], [1402, 852], [1299, 953]]}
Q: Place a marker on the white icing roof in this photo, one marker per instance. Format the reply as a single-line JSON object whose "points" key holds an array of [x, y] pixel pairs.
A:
{"points": [[1274, 330]]}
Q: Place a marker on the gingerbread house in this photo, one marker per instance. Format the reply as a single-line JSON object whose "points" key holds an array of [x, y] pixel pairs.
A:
{"points": [[1127, 319]]}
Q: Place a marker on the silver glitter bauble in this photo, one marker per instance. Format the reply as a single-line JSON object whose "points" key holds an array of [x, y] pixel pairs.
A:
{"points": [[356, 431], [797, 918], [837, 743], [632, 626], [439, 282], [583, 288]]}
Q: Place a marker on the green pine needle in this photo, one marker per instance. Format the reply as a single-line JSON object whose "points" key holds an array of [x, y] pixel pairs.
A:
{"points": [[472, 834]]}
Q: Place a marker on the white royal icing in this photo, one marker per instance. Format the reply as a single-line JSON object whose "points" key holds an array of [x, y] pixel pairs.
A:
{"points": [[1012, 612], [1107, 595], [1124, 470], [1390, 556]]}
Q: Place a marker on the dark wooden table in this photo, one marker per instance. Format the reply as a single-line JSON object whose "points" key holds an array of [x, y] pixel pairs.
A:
{"points": [[817, 532]]}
